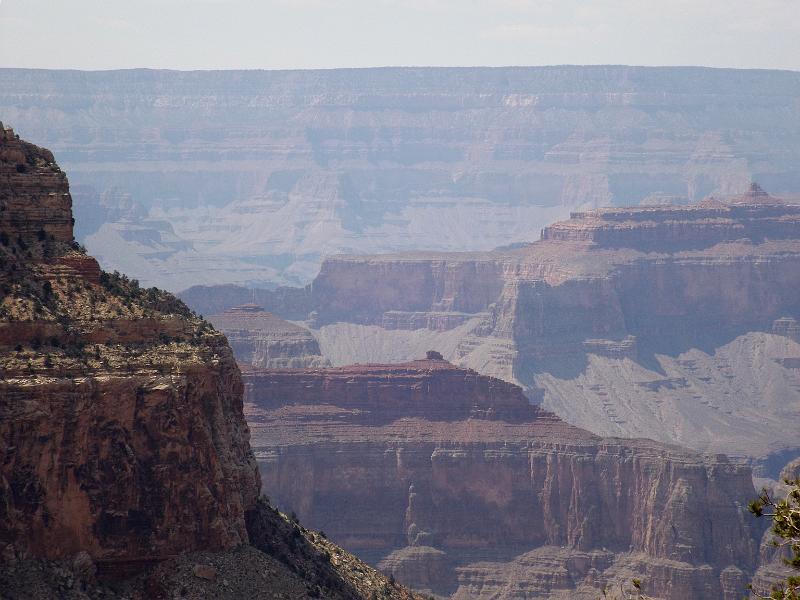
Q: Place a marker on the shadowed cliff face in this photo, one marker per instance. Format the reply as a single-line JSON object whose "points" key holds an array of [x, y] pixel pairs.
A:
{"points": [[456, 483], [252, 177]]}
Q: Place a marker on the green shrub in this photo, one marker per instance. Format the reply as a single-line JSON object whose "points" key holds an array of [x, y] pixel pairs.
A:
{"points": [[785, 515]]}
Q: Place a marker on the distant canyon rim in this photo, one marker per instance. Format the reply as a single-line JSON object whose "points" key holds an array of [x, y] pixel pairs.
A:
{"points": [[253, 177]]}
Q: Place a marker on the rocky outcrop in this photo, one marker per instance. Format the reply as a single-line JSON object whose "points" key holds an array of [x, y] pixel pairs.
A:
{"points": [[284, 560], [453, 480], [34, 193], [674, 322], [263, 173], [123, 445], [122, 429], [261, 339], [388, 392]]}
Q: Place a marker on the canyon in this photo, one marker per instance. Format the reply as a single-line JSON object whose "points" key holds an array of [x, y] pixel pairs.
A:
{"points": [[253, 177], [675, 322], [460, 487], [385, 213], [125, 464]]}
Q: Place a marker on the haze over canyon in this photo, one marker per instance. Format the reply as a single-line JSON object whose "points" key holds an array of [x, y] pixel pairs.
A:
{"points": [[469, 333], [677, 323], [252, 177]]}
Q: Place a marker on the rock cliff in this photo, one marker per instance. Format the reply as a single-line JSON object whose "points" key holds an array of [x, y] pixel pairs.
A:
{"points": [[251, 177], [674, 322], [123, 445], [121, 412], [456, 483], [261, 339]]}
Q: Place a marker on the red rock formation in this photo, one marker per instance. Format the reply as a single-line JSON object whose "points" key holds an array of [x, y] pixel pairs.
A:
{"points": [[440, 472], [121, 428], [386, 392]]}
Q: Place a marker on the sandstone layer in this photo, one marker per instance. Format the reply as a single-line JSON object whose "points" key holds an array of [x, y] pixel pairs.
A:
{"points": [[456, 483], [262, 340], [123, 445], [252, 177]]}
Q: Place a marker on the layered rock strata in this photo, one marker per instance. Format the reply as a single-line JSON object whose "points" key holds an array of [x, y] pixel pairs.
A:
{"points": [[122, 429], [670, 321], [455, 482], [261, 339], [754, 215], [123, 445]]}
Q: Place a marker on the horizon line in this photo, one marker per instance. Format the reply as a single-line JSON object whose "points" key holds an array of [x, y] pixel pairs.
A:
{"points": [[400, 67]]}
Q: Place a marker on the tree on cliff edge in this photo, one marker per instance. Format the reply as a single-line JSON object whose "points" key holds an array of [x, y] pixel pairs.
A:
{"points": [[785, 516]]}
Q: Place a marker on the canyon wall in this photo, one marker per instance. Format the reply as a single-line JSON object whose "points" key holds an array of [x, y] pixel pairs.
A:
{"points": [[186, 178], [456, 483], [670, 322], [122, 429]]}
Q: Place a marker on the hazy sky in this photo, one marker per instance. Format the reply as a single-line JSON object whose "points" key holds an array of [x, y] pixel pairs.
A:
{"points": [[212, 34]]}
